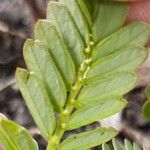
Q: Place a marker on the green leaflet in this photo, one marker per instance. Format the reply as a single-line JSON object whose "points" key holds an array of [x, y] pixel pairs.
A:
{"points": [[37, 101], [127, 59], [94, 112], [116, 145], [85, 11], [120, 146], [88, 139], [106, 87], [128, 145], [79, 18], [89, 9], [146, 110], [147, 91], [39, 61], [78, 73], [15, 137], [68, 30], [136, 146], [98, 15], [133, 34], [50, 37], [105, 147], [146, 107], [107, 17]]}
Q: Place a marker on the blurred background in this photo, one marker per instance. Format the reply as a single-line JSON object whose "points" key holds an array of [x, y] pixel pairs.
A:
{"points": [[17, 19]]}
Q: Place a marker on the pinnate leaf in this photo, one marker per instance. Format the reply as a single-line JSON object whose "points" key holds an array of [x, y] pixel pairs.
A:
{"points": [[80, 65]]}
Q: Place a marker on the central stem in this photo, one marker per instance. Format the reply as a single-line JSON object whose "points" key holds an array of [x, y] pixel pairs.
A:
{"points": [[75, 89]]}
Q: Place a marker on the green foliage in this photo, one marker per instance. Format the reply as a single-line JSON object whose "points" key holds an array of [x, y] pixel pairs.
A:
{"points": [[146, 107], [41, 111], [95, 111], [88, 139], [15, 137], [120, 146], [79, 66]]}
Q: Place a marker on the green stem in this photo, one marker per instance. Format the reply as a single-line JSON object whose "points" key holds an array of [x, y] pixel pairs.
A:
{"points": [[75, 89]]}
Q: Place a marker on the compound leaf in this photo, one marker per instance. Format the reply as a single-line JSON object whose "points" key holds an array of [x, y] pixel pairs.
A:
{"points": [[81, 55]]}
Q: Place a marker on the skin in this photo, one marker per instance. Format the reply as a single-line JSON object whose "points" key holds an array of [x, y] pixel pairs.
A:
{"points": [[139, 10]]}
